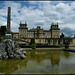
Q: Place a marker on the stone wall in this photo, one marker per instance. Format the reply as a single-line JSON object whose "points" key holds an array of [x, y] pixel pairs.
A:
{"points": [[73, 40], [51, 41]]}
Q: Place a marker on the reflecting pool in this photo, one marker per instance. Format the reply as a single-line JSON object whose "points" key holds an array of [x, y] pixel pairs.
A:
{"points": [[40, 62]]}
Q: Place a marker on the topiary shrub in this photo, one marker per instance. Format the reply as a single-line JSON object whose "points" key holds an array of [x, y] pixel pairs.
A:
{"points": [[32, 41], [33, 46]]}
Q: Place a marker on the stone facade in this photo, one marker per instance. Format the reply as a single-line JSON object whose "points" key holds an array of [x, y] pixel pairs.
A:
{"points": [[51, 36], [51, 41], [38, 32], [55, 31], [15, 35], [73, 40]]}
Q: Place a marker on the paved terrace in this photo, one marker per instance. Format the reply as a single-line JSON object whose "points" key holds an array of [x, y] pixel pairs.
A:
{"points": [[72, 49], [43, 49]]}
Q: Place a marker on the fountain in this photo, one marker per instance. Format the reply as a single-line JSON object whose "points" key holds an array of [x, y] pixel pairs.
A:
{"points": [[9, 49]]}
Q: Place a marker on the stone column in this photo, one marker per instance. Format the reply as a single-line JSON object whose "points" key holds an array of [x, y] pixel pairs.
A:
{"points": [[45, 41], [57, 42], [62, 41], [51, 42], [39, 40]]}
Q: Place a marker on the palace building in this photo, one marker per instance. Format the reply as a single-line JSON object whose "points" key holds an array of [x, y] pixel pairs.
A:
{"points": [[51, 36], [53, 32]]}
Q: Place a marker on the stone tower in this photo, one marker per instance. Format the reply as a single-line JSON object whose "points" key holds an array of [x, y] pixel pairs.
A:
{"points": [[55, 31], [8, 31], [8, 20], [23, 30]]}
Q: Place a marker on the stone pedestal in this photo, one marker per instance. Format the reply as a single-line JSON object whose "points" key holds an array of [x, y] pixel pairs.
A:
{"points": [[8, 36]]}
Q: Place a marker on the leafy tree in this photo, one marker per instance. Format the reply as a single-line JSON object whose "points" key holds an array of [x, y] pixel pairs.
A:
{"points": [[68, 37], [62, 35], [74, 36], [33, 46], [32, 41], [2, 30]]}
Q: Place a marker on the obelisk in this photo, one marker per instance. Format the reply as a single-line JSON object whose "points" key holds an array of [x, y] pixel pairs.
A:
{"points": [[8, 30], [8, 20]]}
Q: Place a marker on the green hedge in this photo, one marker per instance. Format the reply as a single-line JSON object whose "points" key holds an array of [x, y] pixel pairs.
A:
{"points": [[39, 46], [33, 46], [58, 46]]}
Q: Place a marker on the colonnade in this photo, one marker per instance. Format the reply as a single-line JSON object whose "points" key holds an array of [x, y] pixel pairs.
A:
{"points": [[51, 41]]}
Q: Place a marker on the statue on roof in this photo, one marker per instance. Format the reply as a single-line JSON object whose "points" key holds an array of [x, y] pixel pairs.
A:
{"points": [[52, 23], [57, 23], [20, 22]]}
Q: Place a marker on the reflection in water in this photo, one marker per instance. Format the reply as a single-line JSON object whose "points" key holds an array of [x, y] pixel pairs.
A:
{"points": [[39, 56], [66, 54], [10, 66], [55, 58]]}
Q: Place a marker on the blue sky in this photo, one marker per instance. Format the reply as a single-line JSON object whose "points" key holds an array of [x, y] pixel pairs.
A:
{"points": [[40, 13]]}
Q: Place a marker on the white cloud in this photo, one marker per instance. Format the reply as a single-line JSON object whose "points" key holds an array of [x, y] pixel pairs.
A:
{"points": [[33, 2], [43, 14]]}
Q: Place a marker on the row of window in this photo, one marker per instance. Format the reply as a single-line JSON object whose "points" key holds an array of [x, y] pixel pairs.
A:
{"points": [[25, 32], [55, 36], [55, 32], [30, 36], [23, 26], [47, 33], [45, 36], [22, 31], [40, 32], [33, 32], [54, 27]]}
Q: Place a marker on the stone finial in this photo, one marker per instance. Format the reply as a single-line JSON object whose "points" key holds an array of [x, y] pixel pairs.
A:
{"points": [[25, 22], [20, 22], [52, 23], [57, 23]]}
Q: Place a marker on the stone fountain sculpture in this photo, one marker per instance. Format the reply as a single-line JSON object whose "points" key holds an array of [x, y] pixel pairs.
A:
{"points": [[9, 49]]}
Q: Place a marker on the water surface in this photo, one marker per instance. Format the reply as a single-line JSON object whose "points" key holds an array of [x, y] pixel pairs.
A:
{"points": [[40, 62]]}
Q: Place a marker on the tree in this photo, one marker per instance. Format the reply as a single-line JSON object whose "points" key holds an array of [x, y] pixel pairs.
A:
{"points": [[62, 35], [32, 41], [74, 36], [33, 46], [2, 30]]}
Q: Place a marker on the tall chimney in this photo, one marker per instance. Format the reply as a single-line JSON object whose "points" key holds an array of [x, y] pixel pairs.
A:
{"points": [[8, 20]]}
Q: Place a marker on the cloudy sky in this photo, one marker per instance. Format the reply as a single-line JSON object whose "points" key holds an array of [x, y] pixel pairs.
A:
{"points": [[40, 13]]}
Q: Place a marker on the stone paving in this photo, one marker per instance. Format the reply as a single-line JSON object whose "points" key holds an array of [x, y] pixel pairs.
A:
{"points": [[47, 49]]}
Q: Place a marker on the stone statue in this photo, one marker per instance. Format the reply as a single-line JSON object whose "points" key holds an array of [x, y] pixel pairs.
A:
{"points": [[8, 50]]}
